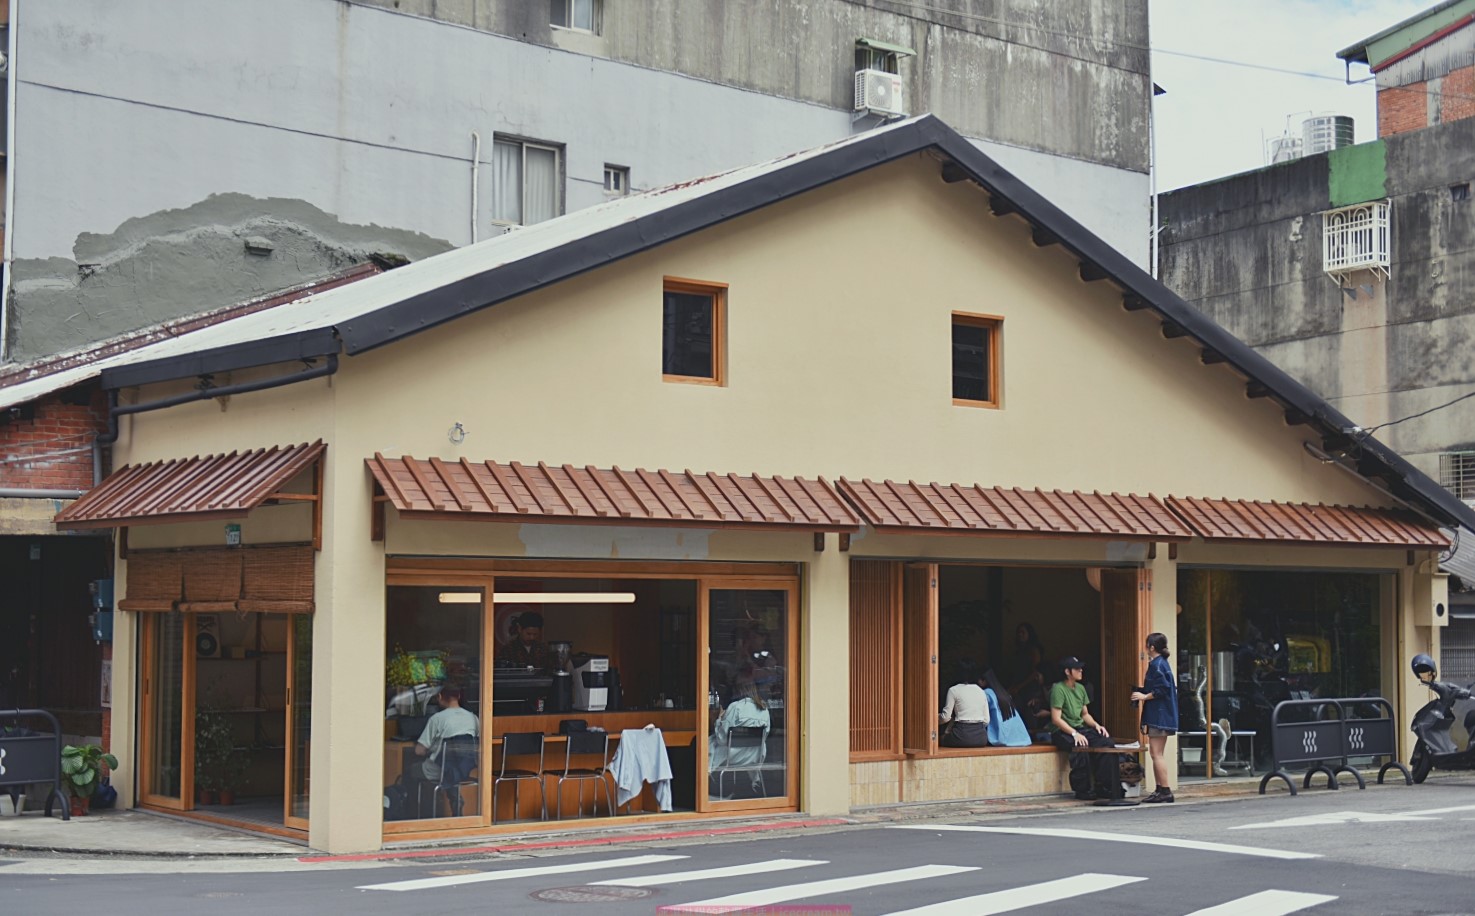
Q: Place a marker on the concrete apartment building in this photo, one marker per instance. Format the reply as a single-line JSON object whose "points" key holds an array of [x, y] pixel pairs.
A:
{"points": [[1354, 270], [166, 161]]}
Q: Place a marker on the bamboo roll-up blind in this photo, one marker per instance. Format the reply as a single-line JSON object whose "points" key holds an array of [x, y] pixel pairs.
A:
{"points": [[874, 649]]}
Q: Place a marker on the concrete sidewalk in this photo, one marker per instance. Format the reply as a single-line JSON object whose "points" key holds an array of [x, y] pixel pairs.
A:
{"points": [[145, 834]]}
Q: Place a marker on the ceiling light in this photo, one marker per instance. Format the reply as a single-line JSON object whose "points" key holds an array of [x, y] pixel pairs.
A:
{"points": [[563, 598], [460, 597]]}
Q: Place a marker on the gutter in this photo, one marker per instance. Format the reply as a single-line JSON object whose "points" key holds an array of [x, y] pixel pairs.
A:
{"points": [[22, 493], [116, 410]]}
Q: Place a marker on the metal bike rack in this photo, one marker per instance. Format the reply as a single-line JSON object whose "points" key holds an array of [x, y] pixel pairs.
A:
{"points": [[1328, 744]]}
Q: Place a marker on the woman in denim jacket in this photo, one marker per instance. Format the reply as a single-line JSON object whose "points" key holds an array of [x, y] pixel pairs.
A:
{"points": [[1159, 698]]}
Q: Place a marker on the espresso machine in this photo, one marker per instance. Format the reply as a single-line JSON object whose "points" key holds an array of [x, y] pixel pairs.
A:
{"points": [[591, 683]]}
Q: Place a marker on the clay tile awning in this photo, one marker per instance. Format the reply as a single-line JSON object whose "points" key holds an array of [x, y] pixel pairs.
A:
{"points": [[1304, 523], [490, 491], [189, 489], [958, 509]]}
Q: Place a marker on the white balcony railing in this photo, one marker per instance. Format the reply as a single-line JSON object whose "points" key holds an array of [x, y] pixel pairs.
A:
{"points": [[1356, 238]]}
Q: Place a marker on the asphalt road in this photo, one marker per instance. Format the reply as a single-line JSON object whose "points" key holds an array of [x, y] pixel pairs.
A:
{"points": [[1391, 849]]}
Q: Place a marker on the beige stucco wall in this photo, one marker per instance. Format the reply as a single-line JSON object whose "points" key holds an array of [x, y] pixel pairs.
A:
{"points": [[839, 364]]}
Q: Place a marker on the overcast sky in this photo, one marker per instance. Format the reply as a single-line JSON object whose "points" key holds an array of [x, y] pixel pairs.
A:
{"points": [[1215, 116]]}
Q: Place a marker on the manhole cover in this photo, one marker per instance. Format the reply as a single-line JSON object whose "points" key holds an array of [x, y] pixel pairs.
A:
{"points": [[592, 894]]}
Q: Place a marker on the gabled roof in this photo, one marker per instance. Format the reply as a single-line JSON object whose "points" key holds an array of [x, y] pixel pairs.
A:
{"points": [[436, 290]]}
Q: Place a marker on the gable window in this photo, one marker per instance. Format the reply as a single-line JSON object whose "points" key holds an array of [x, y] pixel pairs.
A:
{"points": [[692, 331], [581, 15], [527, 182], [976, 376], [616, 180], [1457, 474]]}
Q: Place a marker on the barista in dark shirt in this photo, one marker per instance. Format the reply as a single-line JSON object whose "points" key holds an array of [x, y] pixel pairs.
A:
{"points": [[527, 649]]}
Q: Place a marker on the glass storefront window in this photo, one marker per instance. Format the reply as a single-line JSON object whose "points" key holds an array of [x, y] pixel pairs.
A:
{"points": [[1248, 640], [433, 651]]}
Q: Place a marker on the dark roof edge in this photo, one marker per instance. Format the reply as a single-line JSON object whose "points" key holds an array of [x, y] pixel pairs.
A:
{"points": [[1357, 53], [309, 344], [1438, 501]]}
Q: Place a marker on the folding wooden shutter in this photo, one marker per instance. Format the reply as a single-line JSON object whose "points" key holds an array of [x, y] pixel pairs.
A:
{"points": [[919, 659], [1126, 614], [875, 648]]}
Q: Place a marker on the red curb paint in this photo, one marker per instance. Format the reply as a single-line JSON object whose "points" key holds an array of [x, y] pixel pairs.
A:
{"points": [[559, 844]]}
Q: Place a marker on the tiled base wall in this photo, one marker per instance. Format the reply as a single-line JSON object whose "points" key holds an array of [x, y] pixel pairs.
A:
{"points": [[890, 782]]}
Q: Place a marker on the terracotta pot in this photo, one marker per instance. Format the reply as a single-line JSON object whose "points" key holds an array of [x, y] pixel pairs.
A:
{"points": [[227, 796], [79, 805], [204, 796]]}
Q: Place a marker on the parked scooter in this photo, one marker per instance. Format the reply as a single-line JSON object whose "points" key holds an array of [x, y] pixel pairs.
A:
{"points": [[1436, 748]]}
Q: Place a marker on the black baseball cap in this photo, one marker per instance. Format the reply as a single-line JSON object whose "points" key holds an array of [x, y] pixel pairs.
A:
{"points": [[1069, 662]]}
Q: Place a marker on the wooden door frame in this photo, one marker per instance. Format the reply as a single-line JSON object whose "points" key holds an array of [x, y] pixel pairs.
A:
{"points": [[793, 698], [148, 699], [290, 731], [930, 627]]}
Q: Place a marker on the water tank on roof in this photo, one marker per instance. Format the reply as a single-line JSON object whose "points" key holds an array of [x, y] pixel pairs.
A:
{"points": [[1324, 133]]}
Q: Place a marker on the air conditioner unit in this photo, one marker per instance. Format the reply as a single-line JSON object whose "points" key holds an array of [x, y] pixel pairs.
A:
{"points": [[879, 92]]}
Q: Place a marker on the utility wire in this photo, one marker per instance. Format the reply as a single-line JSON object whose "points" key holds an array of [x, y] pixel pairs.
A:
{"points": [[1364, 433]]}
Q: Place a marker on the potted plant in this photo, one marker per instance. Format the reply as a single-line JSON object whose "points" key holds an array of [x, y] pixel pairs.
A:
{"points": [[231, 776], [214, 746], [81, 769]]}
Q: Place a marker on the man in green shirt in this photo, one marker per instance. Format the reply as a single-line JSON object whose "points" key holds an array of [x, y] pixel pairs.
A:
{"points": [[1073, 729]]}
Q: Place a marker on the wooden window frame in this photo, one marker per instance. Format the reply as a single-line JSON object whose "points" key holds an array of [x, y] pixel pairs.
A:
{"points": [[718, 292], [995, 326]]}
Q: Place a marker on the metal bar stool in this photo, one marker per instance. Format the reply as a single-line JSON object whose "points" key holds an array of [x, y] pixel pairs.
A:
{"points": [[520, 744], [582, 744]]}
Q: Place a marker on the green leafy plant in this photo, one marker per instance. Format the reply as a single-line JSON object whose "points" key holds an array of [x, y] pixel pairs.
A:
{"points": [[81, 768], [214, 748], [399, 671]]}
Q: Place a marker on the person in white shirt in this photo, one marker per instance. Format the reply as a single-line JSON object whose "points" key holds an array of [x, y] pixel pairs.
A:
{"points": [[967, 711], [747, 710]]}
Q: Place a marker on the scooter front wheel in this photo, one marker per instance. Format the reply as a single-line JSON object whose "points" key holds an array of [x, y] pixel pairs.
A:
{"points": [[1421, 762]]}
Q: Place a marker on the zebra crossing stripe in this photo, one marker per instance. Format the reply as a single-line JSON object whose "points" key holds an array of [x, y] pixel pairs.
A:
{"points": [[1069, 834], [1266, 903], [1017, 898], [729, 871], [782, 894], [507, 874]]}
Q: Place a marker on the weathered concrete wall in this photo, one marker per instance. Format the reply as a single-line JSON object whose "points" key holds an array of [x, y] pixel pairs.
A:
{"points": [[987, 67], [1246, 250], [153, 137], [225, 249]]}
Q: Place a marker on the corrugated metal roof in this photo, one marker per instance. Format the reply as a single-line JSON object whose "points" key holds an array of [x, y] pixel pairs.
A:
{"points": [[1304, 523], [962, 509], [492, 491], [189, 489]]}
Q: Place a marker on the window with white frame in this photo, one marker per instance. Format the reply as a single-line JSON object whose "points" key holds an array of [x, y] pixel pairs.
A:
{"points": [[527, 184], [1356, 238], [1457, 473], [616, 180], [579, 15]]}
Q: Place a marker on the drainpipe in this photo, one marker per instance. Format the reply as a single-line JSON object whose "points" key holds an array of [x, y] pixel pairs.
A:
{"points": [[475, 165], [22, 493], [116, 410]]}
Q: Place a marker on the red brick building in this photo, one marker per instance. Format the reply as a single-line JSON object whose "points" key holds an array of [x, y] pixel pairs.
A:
{"points": [[1424, 67]]}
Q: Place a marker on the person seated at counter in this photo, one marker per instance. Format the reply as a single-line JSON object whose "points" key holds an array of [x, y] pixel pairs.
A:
{"points": [[527, 649], [966, 711], [452, 721], [747, 710]]}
